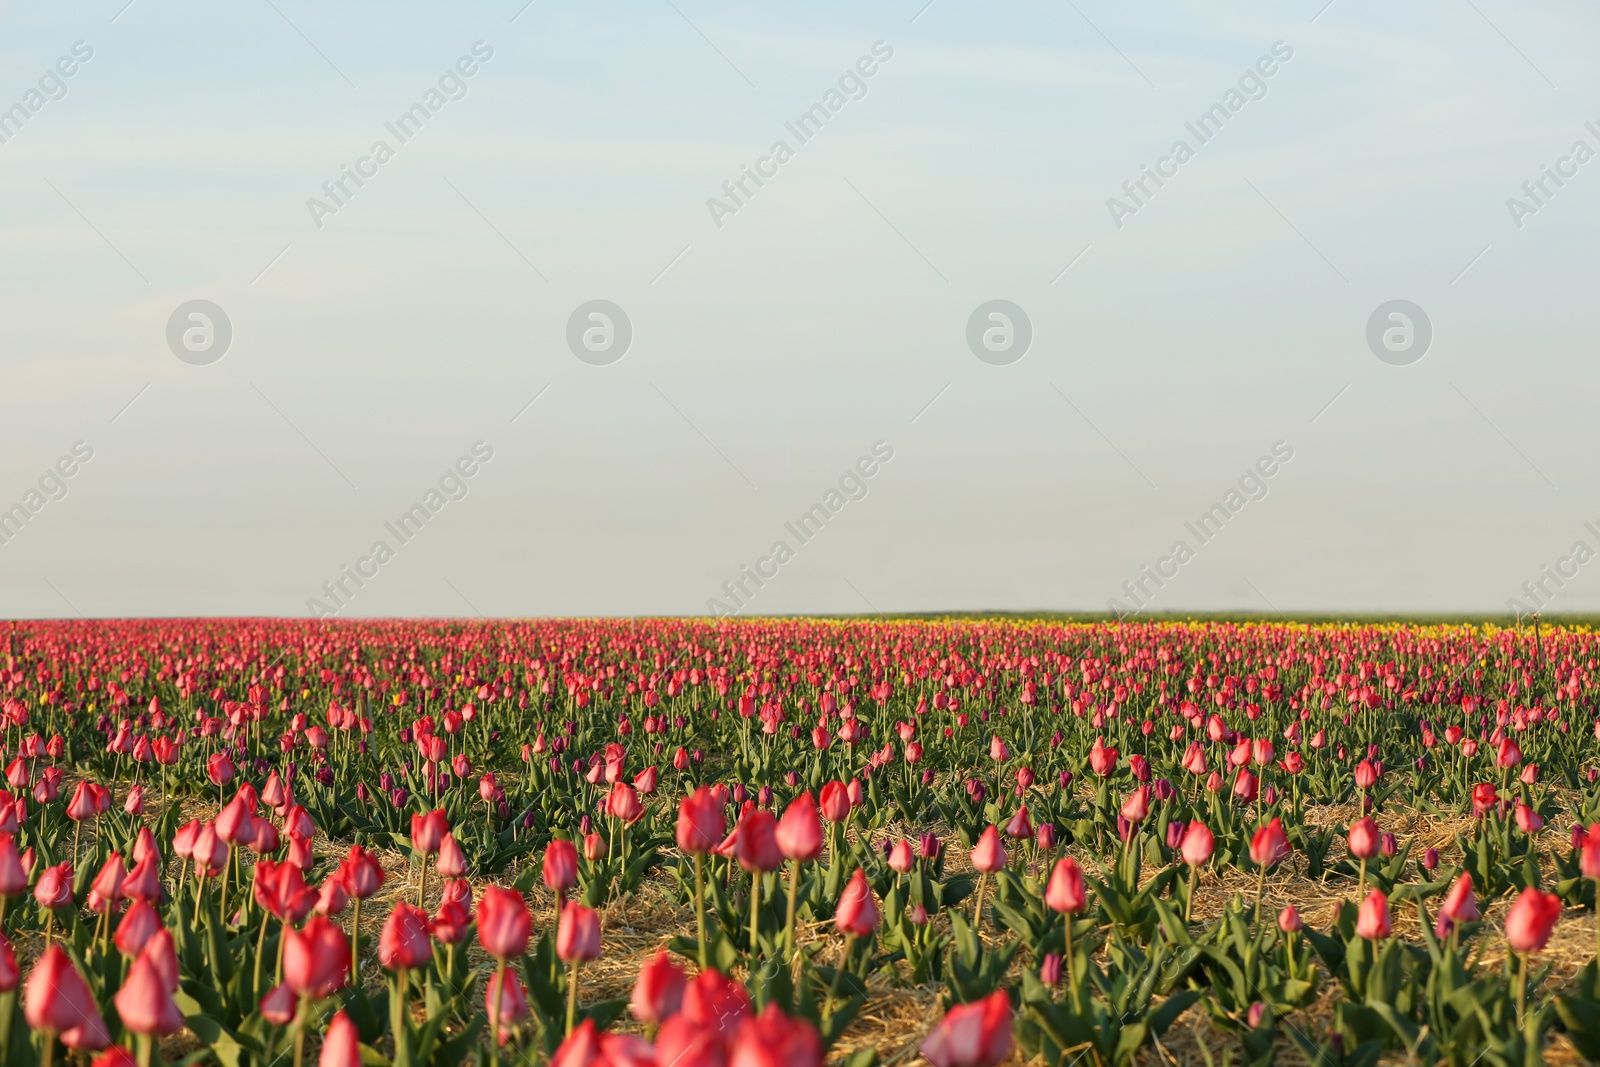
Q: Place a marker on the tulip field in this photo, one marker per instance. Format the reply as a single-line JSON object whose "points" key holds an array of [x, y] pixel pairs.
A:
{"points": [[779, 843]]}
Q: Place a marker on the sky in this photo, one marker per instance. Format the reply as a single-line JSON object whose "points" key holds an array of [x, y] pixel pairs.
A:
{"points": [[1337, 356]]}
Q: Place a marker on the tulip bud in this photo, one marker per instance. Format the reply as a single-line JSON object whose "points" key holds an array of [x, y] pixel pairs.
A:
{"points": [[857, 912], [578, 937], [658, 992], [1065, 891], [1050, 969], [503, 923]]}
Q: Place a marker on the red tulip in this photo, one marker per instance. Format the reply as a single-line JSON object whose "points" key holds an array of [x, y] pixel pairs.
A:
{"points": [[272, 794], [404, 944], [1020, 828], [772, 1039], [331, 897], [658, 992], [341, 1045], [1509, 755], [1459, 906], [265, 840], [316, 958], [428, 830], [144, 1003], [163, 954], [362, 874], [714, 1001], [578, 937], [799, 832], [54, 888], [452, 862], [513, 1003], [219, 768], [901, 858], [560, 866], [458, 890], [210, 851], [757, 843], [183, 840], [1484, 798], [1137, 805], [1269, 846], [144, 881], [1102, 759], [594, 847], [623, 803], [1372, 921], [503, 923], [1363, 838], [280, 889], [1366, 774], [106, 889], [236, 822], [81, 806], [1588, 851], [857, 912], [686, 1042], [450, 922], [701, 822], [1065, 892], [278, 1007], [57, 1000], [139, 924], [1289, 920], [989, 855], [585, 1047], [972, 1035], [835, 801], [1198, 844], [13, 879], [9, 975], [1531, 920]]}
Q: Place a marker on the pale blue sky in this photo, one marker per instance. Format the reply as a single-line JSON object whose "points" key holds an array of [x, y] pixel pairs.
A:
{"points": [[770, 353]]}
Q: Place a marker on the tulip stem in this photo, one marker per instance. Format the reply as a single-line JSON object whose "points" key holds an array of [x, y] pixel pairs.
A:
{"points": [[1361, 891], [300, 1032], [977, 909], [227, 867], [261, 947], [755, 913], [1261, 887], [700, 902], [833, 990], [1188, 904], [794, 887], [1072, 968], [497, 991], [355, 946], [422, 886], [143, 1043], [1522, 989], [49, 1048], [572, 995]]}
